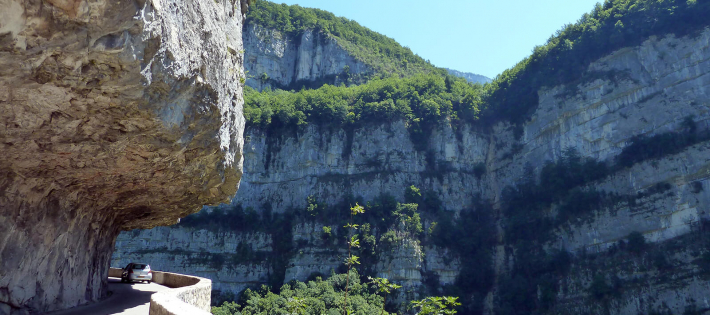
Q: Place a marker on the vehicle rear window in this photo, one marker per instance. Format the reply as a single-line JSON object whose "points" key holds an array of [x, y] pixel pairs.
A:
{"points": [[138, 266]]}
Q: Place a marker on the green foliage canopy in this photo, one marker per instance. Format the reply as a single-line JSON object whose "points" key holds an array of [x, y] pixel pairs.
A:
{"points": [[312, 297], [512, 96], [420, 98]]}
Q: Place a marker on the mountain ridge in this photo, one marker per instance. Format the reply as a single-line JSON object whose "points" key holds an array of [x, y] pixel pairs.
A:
{"points": [[470, 77]]}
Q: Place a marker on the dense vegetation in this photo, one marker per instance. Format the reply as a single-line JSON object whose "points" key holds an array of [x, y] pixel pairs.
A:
{"points": [[418, 98], [312, 297], [513, 94], [610, 26], [422, 101], [383, 54]]}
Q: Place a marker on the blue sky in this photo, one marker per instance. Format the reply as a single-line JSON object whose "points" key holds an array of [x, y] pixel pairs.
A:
{"points": [[484, 37]]}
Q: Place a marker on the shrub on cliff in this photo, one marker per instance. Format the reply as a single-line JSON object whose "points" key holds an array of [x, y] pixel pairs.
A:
{"points": [[657, 146], [636, 242]]}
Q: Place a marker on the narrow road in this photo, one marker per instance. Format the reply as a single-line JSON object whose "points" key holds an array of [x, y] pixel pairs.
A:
{"points": [[126, 299]]}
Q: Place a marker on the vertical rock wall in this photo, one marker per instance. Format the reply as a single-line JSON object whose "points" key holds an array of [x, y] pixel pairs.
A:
{"points": [[114, 115], [277, 60]]}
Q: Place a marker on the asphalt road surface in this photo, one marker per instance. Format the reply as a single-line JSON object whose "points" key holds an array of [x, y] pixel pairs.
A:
{"points": [[126, 299]]}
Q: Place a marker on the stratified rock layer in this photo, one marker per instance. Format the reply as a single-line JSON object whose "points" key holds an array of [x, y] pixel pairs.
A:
{"points": [[636, 91], [114, 115]]}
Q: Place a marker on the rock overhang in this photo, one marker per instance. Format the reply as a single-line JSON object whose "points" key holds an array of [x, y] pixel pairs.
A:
{"points": [[114, 115]]}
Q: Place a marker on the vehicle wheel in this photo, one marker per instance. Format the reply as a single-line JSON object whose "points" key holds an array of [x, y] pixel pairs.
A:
{"points": [[148, 281]]}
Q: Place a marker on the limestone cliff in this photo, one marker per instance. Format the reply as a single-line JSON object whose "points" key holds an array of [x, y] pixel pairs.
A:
{"points": [[646, 90], [277, 60], [114, 115]]}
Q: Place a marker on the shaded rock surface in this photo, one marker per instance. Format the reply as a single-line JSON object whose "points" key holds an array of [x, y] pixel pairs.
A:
{"points": [[208, 254], [114, 115], [645, 90]]}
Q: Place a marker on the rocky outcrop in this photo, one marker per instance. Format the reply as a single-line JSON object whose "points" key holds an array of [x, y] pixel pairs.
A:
{"points": [[277, 60], [470, 77], [113, 116], [646, 90]]}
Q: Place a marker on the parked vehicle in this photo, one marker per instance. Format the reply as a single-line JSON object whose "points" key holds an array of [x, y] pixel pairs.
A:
{"points": [[137, 272]]}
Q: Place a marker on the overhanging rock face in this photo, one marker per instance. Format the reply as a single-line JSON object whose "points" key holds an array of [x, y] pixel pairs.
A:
{"points": [[114, 115]]}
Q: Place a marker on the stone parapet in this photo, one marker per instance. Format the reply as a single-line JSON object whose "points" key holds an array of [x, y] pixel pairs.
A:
{"points": [[115, 272], [190, 295]]}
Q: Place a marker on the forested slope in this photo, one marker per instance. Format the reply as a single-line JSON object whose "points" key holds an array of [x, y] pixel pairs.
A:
{"points": [[383, 55], [565, 57], [512, 96]]}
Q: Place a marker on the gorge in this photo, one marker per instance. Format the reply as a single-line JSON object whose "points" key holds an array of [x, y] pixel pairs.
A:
{"points": [[576, 181], [594, 203]]}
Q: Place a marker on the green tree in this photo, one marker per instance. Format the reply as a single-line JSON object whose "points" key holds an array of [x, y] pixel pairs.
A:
{"points": [[436, 305], [412, 195], [353, 242], [384, 286], [313, 297], [227, 308], [327, 232]]}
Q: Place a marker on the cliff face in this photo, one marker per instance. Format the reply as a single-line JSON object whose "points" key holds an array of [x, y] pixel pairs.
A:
{"points": [[113, 116], [380, 159], [647, 90], [277, 60], [236, 261], [637, 91]]}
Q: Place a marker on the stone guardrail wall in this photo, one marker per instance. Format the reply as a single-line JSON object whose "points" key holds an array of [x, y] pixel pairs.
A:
{"points": [[115, 272], [190, 295]]}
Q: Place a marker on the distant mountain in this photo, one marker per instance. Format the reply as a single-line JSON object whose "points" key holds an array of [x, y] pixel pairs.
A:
{"points": [[471, 77], [296, 46]]}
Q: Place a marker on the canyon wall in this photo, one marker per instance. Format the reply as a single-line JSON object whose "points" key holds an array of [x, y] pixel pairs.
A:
{"points": [[648, 90], [113, 116]]}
